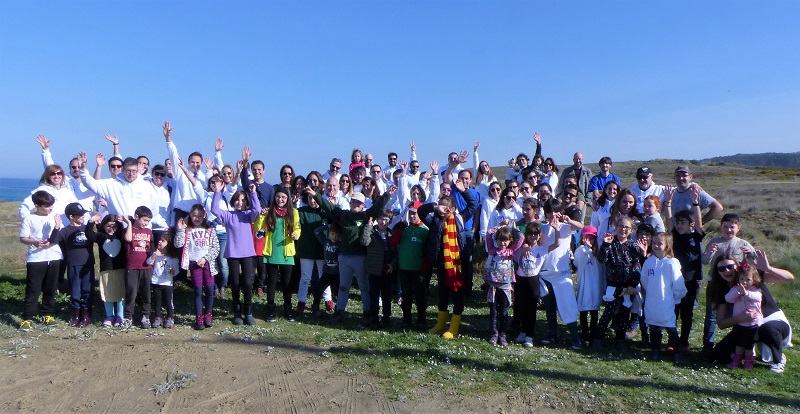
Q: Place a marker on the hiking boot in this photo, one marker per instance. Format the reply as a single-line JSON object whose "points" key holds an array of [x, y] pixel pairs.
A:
{"points": [[125, 323], [170, 323], [25, 326], [76, 318], [146, 323], [493, 339], [199, 323], [207, 320], [502, 340], [87, 319]]}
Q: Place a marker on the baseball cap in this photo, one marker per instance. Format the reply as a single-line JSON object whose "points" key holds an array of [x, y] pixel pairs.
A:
{"points": [[682, 169], [358, 197], [75, 209], [643, 172]]}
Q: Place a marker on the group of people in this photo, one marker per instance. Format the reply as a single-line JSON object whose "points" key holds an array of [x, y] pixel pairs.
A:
{"points": [[223, 226]]}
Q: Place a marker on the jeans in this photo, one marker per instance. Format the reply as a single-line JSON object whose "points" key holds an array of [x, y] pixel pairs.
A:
{"points": [[350, 264], [222, 263], [80, 282]]}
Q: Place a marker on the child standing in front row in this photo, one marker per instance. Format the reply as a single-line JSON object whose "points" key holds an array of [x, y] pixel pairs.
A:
{"points": [[42, 260], [199, 256], [746, 298], [138, 244], [591, 283], [78, 249], [530, 258], [113, 260], [663, 286], [166, 265], [330, 272], [501, 244]]}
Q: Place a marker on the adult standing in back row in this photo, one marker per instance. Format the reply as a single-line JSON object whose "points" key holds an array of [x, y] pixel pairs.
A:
{"points": [[582, 174]]}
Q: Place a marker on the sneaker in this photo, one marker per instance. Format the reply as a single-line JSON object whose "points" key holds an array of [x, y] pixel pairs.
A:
{"points": [[170, 323], [126, 323], [576, 343], [337, 317], [199, 323], [49, 320], [157, 322], [290, 315], [528, 342], [502, 340], [146, 323], [259, 292], [207, 320], [108, 322], [330, 305], [250, 320], [779, 367], [25, 326], [493, 339], [521, 337], [237, 320], [551, 340], [271, 317], [118, 321]]}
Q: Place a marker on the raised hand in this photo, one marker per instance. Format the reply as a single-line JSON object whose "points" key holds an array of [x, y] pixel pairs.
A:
{"points": [[246, 154], [59, 222], [413, 147], [462, 157], [537, 138], [608, 237], [100, 159], [761, 261], [434, 166], [209, 164], [252, 188], [44, 142], [181, 224], [459, 185], [475, 146], [167, 128], [112, 139], [218, 186], [218, 145], [403, 164], [668, 193], [392, 189], [96, 218], [82, 159], [239, 166], [694, 191]]}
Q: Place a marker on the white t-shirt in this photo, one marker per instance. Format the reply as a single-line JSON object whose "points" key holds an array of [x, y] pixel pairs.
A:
{"points": [[164, 269], [655, 189], [40, 227], [198, 241]]}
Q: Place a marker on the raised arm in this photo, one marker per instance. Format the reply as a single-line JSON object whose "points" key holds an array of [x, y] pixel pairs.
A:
{"points": [[771, 274], [115, 142], [218, 146], [47, 158]]}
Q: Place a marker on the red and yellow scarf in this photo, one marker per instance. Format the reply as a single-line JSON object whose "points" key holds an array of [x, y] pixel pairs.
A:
{"points": [[453, 278]]}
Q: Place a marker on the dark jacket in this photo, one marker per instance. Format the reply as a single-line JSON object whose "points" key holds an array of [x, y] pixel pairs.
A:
{"points": [[427, 213]]}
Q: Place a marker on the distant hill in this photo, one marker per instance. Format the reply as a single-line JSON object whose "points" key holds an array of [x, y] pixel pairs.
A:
{"points": [[767, 159]]}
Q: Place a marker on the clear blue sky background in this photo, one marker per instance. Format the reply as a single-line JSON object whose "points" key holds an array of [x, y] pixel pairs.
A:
{"points": [[303, 81]]}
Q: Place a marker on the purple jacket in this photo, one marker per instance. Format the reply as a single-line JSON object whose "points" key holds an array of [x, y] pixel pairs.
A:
{"points": [[238, 226]]}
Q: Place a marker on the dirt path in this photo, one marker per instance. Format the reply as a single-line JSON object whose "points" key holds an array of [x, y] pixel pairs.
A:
{"points": [[113, 374]]}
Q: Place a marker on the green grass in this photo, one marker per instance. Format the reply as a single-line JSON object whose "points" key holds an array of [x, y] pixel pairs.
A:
{"points": [[413, 365]]}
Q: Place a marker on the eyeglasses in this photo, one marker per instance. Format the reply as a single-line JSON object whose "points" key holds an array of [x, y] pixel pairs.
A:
{"points": [[548, 165], [336, 167], [626, 228], [392, 158], [446, 189], [510, 197], [159, 174], [54, 173], [345, 181], [74, 167], [495, 190], [570, 195], [723, 268], [114, 165], [513, 186], [414, 166], [227, 173], [526, 188]]}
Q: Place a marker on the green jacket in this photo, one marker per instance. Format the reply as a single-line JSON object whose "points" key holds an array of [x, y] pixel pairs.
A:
{"points": [[350, 222]]}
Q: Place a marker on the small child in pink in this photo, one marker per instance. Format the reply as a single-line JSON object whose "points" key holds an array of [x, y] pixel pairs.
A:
{"points": [[746, 298]]}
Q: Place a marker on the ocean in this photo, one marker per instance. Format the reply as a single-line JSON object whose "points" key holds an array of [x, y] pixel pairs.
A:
{"points": [[16, 189]]}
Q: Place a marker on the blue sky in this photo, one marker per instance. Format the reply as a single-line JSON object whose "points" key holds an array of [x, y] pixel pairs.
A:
{"points": [[304, 81]]}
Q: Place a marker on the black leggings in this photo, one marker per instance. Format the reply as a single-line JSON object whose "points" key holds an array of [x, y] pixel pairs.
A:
{"points": [[527, 297], [616, 315], [285, 273], [240, 279], [162, 296]]}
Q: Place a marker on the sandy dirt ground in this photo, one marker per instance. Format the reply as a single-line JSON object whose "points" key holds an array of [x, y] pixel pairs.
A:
{"points": [[114, 373]]}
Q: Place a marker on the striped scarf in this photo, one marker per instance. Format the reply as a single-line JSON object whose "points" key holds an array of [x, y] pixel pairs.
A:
{"points": [[452, 257]]}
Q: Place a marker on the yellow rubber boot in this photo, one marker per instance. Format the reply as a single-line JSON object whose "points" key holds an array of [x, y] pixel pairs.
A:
{"points": [[453, 331], [441, 322]]}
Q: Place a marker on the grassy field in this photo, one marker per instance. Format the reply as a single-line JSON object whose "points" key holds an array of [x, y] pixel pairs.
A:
{"points": [[410, 364]]}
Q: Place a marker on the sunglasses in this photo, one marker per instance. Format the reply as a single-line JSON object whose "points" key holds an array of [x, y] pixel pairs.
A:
{"points": [[570, 195], [513, 186], [54, 173], [227, 173], [495, 190], [446, 189], [114, 165], [73, 167], [286, 173], [159, 174], [510, 198], [334, 167], [526, 188], [723, 268]]}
